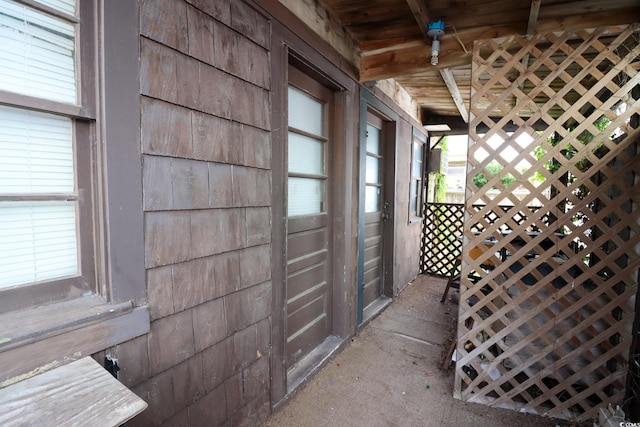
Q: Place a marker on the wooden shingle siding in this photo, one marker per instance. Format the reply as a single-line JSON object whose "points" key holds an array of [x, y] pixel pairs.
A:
{"points": [[205, 137]]}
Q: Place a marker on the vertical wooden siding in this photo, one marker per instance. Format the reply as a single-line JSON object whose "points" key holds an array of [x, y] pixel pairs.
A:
{"points": [[549, 329]]}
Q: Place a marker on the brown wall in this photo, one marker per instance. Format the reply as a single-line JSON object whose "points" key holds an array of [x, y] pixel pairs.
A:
{"points": [[407, 235], [204, 77], [206, 99]]}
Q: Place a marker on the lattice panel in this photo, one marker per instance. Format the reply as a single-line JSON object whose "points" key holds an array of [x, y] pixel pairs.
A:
{"points": [[442, 227], [548, 330]]}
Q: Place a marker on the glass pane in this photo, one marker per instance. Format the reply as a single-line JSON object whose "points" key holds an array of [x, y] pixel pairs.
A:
{"points": [[36, 152], [306, 155], [372, 199], [305, 112], [373, 170], [373, 140], [66, 6], [305, 196], [412, 205], [37, 54], [37, 241], [417, 160], [414, 187]]}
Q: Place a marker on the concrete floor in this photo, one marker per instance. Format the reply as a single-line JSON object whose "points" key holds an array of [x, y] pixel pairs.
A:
{"points": [[390, 374]]}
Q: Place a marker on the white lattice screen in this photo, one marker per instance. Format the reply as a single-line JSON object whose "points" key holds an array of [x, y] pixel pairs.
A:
{"points": [[553, 186]]}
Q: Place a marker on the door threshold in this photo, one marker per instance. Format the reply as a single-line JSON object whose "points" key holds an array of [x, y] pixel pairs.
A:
{"points": [[373, 309], [311, 363]]}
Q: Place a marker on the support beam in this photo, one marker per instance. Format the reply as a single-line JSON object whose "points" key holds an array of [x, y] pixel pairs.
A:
{"points": [[531, 30], [389, 60], [458, 126], [533, 17], [450, 81]]}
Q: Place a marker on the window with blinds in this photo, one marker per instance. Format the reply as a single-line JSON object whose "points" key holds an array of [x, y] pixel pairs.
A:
{"points": [[416, 187], [38, 190], [306, 154]]}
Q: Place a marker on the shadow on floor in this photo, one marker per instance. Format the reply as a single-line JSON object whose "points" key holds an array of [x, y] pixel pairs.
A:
{"points": [[390, 374]]}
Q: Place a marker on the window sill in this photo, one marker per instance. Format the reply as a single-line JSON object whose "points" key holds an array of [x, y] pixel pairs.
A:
{"points": [[38, 339]]}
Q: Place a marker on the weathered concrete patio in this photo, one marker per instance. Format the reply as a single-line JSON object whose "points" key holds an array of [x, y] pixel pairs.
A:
{"points": [[391, 374]]}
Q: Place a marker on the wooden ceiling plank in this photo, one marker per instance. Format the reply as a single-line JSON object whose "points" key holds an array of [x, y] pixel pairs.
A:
{"points": [[450, 81]]}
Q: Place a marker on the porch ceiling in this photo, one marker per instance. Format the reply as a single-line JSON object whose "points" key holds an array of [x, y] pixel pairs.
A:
{"points": [[392, 37]]}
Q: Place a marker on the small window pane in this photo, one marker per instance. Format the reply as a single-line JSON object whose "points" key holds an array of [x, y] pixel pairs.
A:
{"points": [[36, 152], [37, 54], [373, 140], [306, 155], [305, 196], [414, 188], [373, 170], [37, 241], [372, 199], [305, 112]]}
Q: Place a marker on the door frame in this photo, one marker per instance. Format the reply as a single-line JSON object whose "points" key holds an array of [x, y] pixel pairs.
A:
{"points": [[370, 104], [287, 48]]}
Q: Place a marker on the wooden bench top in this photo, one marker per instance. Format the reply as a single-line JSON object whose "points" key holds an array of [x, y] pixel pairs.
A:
{"points": [[80, 393]]}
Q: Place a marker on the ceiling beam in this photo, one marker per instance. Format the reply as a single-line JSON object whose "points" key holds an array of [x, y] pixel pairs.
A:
{"points": [[387, 61], [420, 12], [457, 126], [450, 81], [455, 50]]}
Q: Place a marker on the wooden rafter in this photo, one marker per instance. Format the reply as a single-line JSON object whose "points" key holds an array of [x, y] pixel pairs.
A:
{"points": [[382, 59], [531, 29], [420, 12], [390, 61], [450, 81], [533, 17]]}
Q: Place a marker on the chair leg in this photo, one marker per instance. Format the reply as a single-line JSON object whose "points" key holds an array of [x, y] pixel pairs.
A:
{"points": [[452, 278], [446, 363]]}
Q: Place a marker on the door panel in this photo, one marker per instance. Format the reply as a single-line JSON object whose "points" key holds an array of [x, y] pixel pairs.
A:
{"points": [[373, 228], [308, 287]]}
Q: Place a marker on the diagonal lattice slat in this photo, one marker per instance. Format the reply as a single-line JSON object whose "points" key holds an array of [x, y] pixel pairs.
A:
{"points": [[442, 225], [549, 329]]}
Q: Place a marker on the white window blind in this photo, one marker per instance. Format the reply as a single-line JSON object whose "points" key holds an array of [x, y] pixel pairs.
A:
{"points": [[38, 239], [305, 112], [66, 6], [306, 155], [37, 53], [36, 154]]}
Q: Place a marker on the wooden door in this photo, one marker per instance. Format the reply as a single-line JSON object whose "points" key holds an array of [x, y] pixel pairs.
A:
{"points": [[308, 287], [376, 213]]}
